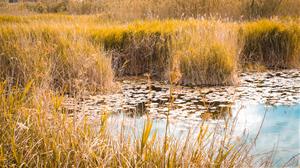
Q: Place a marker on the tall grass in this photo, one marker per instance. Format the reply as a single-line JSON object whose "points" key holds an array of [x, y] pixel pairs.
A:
{"points": [[205, 53], [138, 48], [273, 44], [201, 52], [209, 65], [42, 53], [55, 57], [149, 9], [36, 132], [61, 50]]}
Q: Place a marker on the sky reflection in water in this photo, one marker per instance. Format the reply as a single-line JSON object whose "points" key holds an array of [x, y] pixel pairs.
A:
{"points": [[280, 128]]}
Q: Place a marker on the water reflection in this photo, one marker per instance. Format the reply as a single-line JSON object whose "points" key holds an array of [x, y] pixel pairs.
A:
{"points": [[191, 106], [280, 128]]}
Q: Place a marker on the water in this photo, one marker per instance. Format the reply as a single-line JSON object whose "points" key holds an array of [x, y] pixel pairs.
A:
{"points": [[192, 105], [279, 129]]}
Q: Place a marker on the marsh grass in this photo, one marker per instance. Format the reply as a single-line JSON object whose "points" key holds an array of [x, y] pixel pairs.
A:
{"points": [[273, 44], [55, 57], [62, 49], [36, 132], [127, 10], [210, 65], [138, 48], [200, 51], [55, 19], [205, 53], [41, 54]]}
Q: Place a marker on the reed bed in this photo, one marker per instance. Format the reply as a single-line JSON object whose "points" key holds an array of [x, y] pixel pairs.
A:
{"points": [[163, 47], [205, 52], [41, 54], [37, 132], [55, 57], [149, 9], [200, 52], [270, 43], [137, 48]]}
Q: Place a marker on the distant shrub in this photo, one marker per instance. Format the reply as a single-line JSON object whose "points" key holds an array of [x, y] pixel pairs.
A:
{"points": [[260, 8], [47, 7], [3, 4], [85, 7], [271, 43]]}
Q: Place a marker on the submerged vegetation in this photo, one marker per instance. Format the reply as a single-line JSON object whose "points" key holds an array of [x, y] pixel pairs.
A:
{"points": [[44, 57]]}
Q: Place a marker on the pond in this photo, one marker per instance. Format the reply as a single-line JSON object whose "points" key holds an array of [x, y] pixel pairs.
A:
{"points": [[279, 131], [279, 128], [275, 94]]}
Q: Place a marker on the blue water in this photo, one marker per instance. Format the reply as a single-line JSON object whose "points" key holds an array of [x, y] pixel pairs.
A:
{"points": [[280, 129]]}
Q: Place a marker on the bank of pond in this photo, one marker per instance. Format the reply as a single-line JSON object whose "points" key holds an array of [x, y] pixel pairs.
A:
{"points": [[60, 50]]}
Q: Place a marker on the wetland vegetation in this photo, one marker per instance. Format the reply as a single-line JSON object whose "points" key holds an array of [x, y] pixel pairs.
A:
{"points": [[149, 83]]}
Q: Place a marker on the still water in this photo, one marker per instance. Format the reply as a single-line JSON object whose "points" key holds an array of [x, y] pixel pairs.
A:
{"points": [[246, 102], [280, 128]]}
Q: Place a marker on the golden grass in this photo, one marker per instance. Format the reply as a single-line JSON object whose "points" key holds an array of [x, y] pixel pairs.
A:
{"points": [[60, 51], [36, 132], [139, 47], [208, 65], [53, 56], [149, 9], [274, 44], [205, 53], [160, 47]]}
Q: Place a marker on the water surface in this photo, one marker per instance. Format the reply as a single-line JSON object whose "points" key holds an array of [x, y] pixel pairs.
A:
{"points": [[278, 128], [273, 94]]}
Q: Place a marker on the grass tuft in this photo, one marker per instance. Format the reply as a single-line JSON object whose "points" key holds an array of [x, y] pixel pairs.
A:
{"points": [[273, 44], [138, 48], [205, 53], [208, 65], [54, 57]]}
